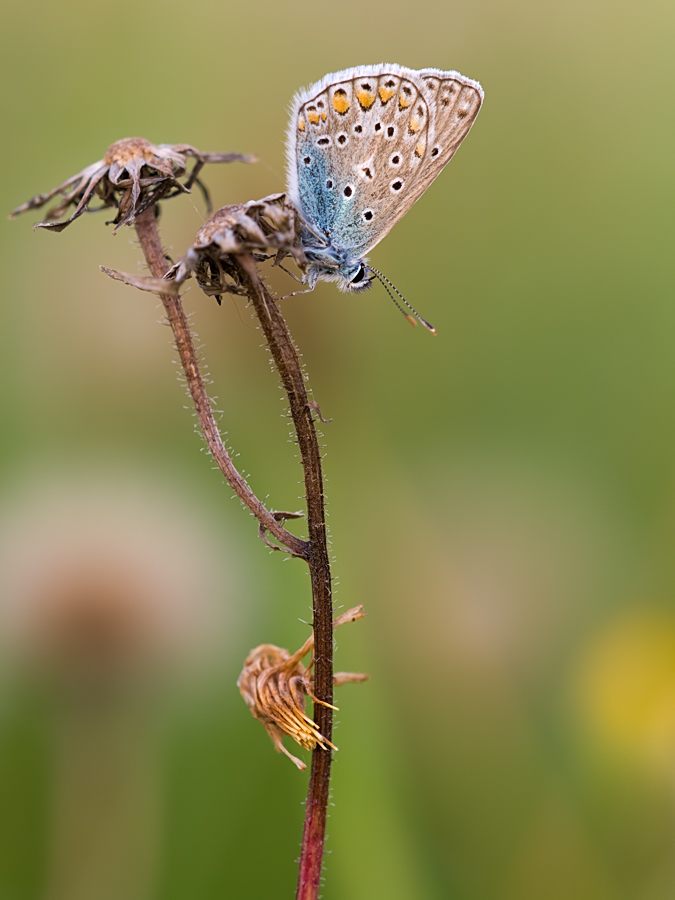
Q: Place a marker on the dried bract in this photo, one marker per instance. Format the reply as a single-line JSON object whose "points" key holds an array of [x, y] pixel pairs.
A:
{"points": [[275, 683], [132, 176], [263, 228]]}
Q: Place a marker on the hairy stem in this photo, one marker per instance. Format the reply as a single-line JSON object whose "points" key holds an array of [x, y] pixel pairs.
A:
{"points": [[314, 551], [148, 235], [288, 365]]}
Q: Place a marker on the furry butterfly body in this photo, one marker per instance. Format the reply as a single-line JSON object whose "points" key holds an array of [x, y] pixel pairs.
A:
{"points": [[363, 145]]}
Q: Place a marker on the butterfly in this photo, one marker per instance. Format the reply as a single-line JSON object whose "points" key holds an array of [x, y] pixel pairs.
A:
{"points": [[362, 146]]}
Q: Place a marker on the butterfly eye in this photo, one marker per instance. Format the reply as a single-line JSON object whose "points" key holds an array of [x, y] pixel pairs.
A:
{"points": [[358, 278]]}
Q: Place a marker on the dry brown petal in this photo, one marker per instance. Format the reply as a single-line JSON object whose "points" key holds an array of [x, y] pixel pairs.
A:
{"points": [[132, 176], [274, 685]]}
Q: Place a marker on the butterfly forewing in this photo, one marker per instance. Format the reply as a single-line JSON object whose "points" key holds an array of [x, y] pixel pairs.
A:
{"points": [[364, 144]]}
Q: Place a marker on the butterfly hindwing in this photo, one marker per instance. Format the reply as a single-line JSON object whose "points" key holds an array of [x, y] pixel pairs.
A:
{"points": [[364, 144]]}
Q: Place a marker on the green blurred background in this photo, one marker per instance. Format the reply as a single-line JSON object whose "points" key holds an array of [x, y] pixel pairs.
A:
{"points": [[501, 497]]}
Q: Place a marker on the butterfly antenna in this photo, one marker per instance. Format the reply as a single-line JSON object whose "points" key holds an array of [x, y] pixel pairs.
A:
{"points": [[384, 281]]}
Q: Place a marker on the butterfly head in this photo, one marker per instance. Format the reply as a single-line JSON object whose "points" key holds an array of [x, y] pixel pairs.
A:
{"points": [[353, 276]]}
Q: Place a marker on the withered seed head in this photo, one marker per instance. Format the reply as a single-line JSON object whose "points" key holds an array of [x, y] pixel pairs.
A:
{"points": [[264, 228], [132, 176], [274, 685]]}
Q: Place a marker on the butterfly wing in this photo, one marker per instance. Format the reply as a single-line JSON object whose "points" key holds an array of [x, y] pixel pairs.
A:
{"points": [[364, 144]]}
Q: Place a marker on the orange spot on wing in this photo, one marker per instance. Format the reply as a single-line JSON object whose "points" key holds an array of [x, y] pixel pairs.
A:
{"points": [[340, 103], [314, 118], [419, 150], [301, 124], [365, 99], [414, 126], [403, 101], [386, 94], [323, 117]]}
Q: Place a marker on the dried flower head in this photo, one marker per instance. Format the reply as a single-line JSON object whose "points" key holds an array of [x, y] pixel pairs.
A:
{"points": [[264, 228], [132, 176], [274, 685]]}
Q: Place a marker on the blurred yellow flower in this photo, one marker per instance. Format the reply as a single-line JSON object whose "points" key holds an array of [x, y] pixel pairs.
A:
{"points": [[627, 687]]}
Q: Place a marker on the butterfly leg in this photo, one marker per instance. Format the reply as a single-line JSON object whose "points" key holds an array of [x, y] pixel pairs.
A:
{"points": [[297, 293], [293, 275], [299, 280]]}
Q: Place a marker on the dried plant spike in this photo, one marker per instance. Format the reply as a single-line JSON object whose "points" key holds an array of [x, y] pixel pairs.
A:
{"points": [[275, 684], [142, 282], [315, 699], [356, 612], [341, 678], [315, 406], [133, 175], [282, 514]]}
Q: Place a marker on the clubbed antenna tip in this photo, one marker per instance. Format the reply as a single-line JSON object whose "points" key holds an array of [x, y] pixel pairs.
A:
{"points": [[384, 281]]}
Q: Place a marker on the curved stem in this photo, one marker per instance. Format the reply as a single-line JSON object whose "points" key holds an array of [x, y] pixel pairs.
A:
{"points": [[148, 235], [288, 365], [314, 551]]}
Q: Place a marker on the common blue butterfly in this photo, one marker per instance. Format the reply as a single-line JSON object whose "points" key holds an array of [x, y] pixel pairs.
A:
{"points": [[363, 145]]}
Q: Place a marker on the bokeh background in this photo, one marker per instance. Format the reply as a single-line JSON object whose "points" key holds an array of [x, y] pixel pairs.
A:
{"points": [[501, 497]]}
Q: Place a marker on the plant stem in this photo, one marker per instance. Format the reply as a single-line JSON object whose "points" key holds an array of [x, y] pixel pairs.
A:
{"points": [[148, 235], [314, 551], [287, 362]]}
